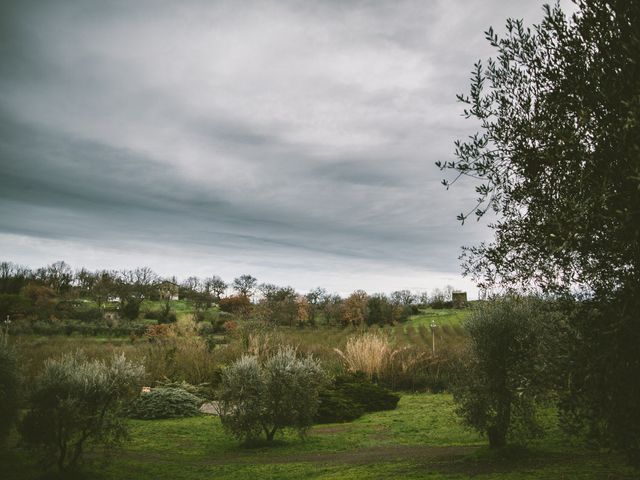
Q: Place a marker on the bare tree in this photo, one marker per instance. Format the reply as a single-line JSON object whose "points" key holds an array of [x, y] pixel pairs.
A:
{"points": [[245, 285]]}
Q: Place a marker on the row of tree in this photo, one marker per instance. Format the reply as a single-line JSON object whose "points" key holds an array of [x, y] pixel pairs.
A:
{"points": [[47, 291]]}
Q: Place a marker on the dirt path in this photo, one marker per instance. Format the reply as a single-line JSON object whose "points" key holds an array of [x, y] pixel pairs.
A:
{"points": [[420, 454], [417, 453]]}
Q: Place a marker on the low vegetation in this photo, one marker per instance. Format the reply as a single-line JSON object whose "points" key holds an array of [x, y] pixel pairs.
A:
{"points": [[10, 387]]}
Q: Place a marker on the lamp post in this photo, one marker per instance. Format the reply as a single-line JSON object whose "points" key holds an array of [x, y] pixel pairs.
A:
{"points": [[433, 337], [5, 334]]}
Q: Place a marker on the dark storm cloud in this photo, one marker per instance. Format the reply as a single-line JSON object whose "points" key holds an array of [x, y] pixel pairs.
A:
{"points": [[281, 136]]}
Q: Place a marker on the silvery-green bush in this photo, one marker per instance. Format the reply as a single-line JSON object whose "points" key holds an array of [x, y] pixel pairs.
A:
{"points": [[76, 403], [261, 398], [165, 402]]}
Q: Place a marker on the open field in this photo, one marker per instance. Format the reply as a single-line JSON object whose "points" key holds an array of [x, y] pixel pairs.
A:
{"points": [[420, 439]]}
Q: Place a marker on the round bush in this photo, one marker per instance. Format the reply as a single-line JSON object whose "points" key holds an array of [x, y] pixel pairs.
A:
{"points": [[351, 395], [372, 397], [336, 407], [165, 402]]}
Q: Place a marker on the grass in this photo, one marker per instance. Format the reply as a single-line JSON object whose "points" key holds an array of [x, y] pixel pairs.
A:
{"points": [[176, 305], [446, 316], [420, 439]]}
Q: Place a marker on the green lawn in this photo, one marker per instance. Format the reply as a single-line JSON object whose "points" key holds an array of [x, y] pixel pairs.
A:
{"points": [[421, 439]]}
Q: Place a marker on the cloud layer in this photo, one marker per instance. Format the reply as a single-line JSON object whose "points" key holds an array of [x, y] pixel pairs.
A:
{"points": [[292, 140]]}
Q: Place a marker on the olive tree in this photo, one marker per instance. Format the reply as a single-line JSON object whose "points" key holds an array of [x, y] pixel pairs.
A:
{"points": [[508, 368], [557, 159], [76, 403], [263, 398]]}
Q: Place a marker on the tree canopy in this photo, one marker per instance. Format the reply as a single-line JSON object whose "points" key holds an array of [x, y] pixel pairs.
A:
{"points": [[558, 153], [557, 160]]}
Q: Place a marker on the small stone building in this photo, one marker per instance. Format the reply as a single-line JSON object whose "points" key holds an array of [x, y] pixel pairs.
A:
{"points": [[459, 299]]}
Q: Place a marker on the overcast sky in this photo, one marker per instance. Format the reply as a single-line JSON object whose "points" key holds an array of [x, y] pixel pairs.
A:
{"points": [[291, 140]]}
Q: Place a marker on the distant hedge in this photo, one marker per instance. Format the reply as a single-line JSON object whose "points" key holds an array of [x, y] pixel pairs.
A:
{"points": [[41, 327]]}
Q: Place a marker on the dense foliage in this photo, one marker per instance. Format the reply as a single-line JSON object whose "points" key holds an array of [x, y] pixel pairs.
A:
{"points": [[258, 398], [558, 150], [165, 402], [75, 403], [558, 156], [56, 300], [348, 396]]}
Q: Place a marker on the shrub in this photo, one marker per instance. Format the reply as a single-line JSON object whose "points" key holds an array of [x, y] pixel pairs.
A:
{"points": [[129, 308], [439, 304], [152, 314], [351, 395], [214, 326], [203, 390], [282, 392], [336, 406], [76, 403], [162, 316], [69, 328], [237, 305], [12, 304], [372, 397], [10, 382], [165, 402]]}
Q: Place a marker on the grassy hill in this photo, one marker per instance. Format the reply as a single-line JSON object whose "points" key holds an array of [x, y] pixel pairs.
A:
{"points": [[442, 317]]}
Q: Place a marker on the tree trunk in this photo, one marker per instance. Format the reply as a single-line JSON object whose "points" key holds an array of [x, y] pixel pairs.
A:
{"points": [[271, 433], [62, 456], [497, 433]]}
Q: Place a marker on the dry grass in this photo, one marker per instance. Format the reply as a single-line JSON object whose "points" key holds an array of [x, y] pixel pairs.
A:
{"points": [[395, 356], [370, 353]]}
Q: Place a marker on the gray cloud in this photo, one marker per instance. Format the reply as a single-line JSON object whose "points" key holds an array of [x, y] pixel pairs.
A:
{"points": [[294, 140]]}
